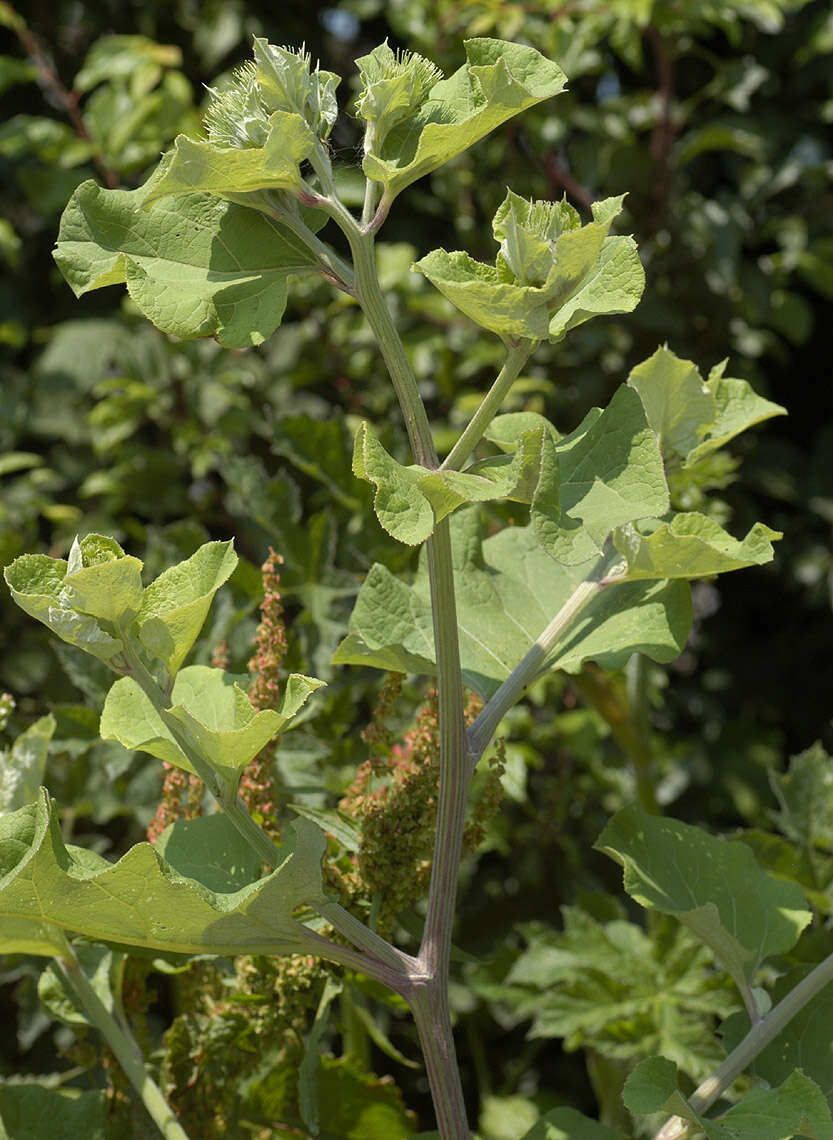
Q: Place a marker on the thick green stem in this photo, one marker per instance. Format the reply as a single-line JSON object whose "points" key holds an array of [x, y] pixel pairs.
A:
{"points": [[480, 732], [121, 1041], [430, 1003], [755, 1041], [516, 358]]}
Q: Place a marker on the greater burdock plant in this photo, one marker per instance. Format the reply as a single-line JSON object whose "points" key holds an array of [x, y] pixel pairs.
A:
{"points": [[598, 572]]}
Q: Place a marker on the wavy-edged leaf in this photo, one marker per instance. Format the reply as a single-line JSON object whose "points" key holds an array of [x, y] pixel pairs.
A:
{"points": [[712, 885], [36, 582], [144, 901], [691, 546], [195, 265], [508, 590], [498, 80], [410, 500], [693, 418], [23, 765], [176, 604], [551, 274], [199, 166], [210, 708]]}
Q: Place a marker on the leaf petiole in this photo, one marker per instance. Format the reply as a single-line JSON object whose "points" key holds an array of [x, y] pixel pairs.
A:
{"points": [[516, 358]]}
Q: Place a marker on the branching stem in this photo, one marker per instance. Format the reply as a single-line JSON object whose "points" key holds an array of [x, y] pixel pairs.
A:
{"points": [[429, 999], [755, 1041]]}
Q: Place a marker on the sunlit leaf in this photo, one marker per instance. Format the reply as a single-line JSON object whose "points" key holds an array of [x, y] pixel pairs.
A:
{"points": [[144, 900], [195, 265], [497, 81], [509, 587]]}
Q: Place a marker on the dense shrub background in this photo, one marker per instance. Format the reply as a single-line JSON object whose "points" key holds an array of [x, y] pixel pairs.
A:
{"points": [[716, 119]]}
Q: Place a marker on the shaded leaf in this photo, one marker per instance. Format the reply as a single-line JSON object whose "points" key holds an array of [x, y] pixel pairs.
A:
{"points": [[59, 999], [32, 1112], [23, 765], [712, 885], [652, 1087], [211, 850]]}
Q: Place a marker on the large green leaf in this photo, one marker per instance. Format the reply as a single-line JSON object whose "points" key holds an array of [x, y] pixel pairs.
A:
{"points": [[210, 709], [146, 901], [176, 604], [410, 500], [195, 266], [510, 587], [498, 80], [606, 473], [551, 274], [691, 546], [23, 765], [713, 886]]}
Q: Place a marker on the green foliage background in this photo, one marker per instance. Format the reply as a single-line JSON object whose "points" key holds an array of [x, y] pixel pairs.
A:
{"points": [[715, 118]]}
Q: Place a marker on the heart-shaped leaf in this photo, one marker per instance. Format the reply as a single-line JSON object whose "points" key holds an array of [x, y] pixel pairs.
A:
{"points": [[715, 887], [509, 587], [195, 265]]}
